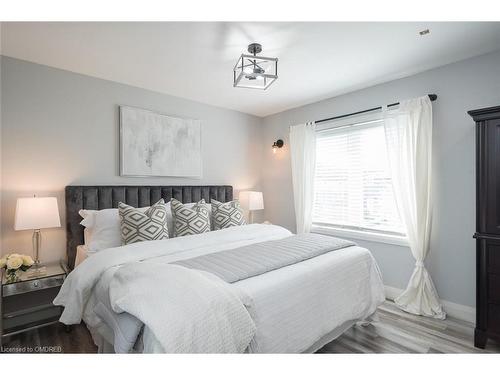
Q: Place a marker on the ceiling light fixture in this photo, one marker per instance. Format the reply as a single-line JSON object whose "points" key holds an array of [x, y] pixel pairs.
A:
{"points": [[255, 72]]}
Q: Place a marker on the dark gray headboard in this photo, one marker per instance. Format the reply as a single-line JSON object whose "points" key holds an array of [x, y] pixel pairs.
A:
{"points": [[101, 197]]}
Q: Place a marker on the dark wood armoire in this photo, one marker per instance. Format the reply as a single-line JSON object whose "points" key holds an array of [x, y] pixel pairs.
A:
{"points": [[487, 224]]}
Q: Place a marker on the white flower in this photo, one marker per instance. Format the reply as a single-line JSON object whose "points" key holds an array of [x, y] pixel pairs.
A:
{"points": [[27, 260], [3, 262], [14, 261]]}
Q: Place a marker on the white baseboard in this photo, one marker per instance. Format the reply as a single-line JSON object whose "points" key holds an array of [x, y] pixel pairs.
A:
{"points": [[455, 310]]}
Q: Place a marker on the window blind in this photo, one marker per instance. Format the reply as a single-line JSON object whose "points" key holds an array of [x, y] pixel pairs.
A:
{"points": [[353, 188]]}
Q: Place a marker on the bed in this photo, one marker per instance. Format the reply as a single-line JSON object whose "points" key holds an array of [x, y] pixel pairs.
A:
{"points": [[294, 308]]}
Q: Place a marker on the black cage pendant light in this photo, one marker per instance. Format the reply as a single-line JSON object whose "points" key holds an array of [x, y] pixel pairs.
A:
{"points": [[255, 72]]}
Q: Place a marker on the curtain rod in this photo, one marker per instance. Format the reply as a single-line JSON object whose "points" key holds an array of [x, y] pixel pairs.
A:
{"points": [[432, 97]]}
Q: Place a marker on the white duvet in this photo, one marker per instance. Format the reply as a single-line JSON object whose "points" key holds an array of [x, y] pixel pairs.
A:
{"points": [[193, 311], [77, 288], [292, 307]]}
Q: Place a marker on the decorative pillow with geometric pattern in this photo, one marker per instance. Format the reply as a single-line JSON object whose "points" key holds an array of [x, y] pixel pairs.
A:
{"points": [[137, 226], [190, 220], [225, 215]]}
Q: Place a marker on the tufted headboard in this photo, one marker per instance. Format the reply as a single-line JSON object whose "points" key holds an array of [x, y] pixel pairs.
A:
{"points": [[101, 197]]}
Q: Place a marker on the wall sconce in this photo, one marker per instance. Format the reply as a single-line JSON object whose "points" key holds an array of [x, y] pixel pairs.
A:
{"points": [[278, 144]]}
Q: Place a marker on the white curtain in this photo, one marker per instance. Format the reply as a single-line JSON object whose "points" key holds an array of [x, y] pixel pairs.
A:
{"points": [[303, 158], [408, 132]]}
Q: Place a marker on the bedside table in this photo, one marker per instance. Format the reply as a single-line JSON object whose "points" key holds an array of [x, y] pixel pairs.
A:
{"points": [[27, 304]]}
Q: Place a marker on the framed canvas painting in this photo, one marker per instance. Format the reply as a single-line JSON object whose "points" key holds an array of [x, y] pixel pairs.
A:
{"points": [[153, 144]]}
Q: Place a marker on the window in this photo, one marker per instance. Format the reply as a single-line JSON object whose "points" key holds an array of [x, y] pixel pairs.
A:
{"points": [[353, 189]]}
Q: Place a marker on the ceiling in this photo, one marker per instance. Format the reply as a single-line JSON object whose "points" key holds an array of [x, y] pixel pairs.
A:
{"points": [[194, 60]]}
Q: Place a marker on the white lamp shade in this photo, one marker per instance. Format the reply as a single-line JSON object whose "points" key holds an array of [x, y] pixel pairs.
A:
{"points": [[252, 200], [37, 213]]}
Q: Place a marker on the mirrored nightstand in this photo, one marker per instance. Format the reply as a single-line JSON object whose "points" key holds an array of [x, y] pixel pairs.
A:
{"points": [[27, 303]]}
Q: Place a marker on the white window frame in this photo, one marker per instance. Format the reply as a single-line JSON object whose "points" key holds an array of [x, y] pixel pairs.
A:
{"points": [[358, 234]]}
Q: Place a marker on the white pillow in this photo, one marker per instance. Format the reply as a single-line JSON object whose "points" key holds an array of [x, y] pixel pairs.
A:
{"points": [[103, 228], [87, 222], [88, 217]]}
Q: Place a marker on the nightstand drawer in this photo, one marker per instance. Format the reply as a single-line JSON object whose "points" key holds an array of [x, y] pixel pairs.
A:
{"points": [[48, 314], [32, 285], [25, 302]]}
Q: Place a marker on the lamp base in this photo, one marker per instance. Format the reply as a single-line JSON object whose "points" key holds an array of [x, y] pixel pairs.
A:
{"points": [[37, 244]]}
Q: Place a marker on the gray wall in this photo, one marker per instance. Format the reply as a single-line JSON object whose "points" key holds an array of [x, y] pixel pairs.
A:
{"points": [[61, 128], [461, 86]]}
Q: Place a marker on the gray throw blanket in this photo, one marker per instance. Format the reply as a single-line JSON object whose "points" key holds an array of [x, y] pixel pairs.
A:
{"points": [[253, 260]]}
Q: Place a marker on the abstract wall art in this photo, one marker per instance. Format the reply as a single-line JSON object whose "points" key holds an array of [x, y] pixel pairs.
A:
{"points": [[154, 144]]}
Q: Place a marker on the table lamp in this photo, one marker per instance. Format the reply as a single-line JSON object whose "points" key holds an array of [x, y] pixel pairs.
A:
{"points": [[252, 201], [36, 214]]}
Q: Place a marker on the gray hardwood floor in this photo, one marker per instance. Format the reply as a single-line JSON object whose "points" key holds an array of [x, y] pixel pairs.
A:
{"points": [[400, 332], [395, 332], [51, 339]]}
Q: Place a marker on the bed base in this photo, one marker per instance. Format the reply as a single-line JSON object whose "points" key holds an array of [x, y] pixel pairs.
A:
{"points": [[105, 347]]}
